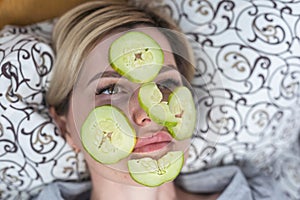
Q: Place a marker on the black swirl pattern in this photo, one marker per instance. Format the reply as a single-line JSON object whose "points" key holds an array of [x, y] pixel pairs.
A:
{"points": [[32, 153], [247, 72]]}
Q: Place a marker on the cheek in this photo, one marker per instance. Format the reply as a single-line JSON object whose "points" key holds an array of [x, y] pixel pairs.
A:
{"points": [[74, 131], [184, 146], [169, 58]]}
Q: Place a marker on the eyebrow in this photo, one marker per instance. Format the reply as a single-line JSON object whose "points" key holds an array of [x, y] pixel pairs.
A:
{"points": [[168, 68], [114, 74]]}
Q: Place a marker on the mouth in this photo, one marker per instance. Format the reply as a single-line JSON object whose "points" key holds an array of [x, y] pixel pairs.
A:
{"points": [[149, 144]]}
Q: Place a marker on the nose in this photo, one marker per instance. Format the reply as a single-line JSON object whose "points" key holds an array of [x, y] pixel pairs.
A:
{"points": [[138, 115]]}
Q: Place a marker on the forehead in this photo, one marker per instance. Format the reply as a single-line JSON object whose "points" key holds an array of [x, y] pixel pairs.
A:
{"points": [[98, 59]]}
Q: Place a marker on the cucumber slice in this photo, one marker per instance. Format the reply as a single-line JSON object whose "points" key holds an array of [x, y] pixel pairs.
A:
{"points": [[150, 99], [107, 135], [136, 56], [152, 173], [160, 113], [149, 95], [182, 105], [178, 114]]}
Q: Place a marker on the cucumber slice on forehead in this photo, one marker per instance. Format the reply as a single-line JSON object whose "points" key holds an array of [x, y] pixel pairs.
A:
{"points": [[136, 56], [107, 135]]}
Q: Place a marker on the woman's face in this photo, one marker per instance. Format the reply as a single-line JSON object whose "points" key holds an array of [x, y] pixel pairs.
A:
{"points": [[99, 84]]}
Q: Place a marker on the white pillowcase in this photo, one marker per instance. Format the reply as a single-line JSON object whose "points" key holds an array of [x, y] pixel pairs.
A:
{"points": [[32, 153]]}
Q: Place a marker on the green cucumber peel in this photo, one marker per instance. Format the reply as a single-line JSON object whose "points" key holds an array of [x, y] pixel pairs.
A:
{"points": [[178, 114], [150, 99], [182, 105]]}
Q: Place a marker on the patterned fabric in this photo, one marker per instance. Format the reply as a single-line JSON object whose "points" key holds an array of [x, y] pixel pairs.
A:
{"points": [[31, 151], [248, 78], [248, 83]]}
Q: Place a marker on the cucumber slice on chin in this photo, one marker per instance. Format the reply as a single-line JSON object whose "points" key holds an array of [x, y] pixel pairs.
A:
{"points": [[152, 173]]}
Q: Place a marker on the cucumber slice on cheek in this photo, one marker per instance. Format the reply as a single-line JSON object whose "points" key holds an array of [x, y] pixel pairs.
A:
{"points": [[150, 99], [178, 114], [107, 135], [152, 173], [182, 105], [136, 56]]}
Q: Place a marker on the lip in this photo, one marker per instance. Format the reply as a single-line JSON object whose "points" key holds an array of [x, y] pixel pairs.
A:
{"points": [[148, 144]]}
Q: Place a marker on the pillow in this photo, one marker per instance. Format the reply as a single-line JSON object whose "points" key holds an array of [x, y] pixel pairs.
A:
{"points": [[248, 78], [32, 153]]}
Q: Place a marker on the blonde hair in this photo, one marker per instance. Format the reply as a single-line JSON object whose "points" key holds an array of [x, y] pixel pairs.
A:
{"points": [[78, 31]]}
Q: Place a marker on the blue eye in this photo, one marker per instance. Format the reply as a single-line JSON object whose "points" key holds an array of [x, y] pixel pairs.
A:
{"points": [[109, 90]]}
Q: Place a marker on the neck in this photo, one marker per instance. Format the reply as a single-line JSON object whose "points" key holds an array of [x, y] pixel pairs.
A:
{"points": [[106, 189]]}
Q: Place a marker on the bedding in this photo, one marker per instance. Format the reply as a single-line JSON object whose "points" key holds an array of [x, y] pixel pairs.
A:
{"points": [[247, 81], [229, 178], [32, 153]]}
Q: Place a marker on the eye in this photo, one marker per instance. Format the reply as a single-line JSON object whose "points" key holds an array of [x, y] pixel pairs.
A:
{"points": [[109, 90], [168, 84]]}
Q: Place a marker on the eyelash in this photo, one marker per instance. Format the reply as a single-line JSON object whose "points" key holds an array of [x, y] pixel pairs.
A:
{"points": [[111, 87], [169, 84]]}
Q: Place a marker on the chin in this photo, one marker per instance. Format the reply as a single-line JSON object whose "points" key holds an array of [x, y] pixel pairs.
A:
{"points": [[118, 173]]}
